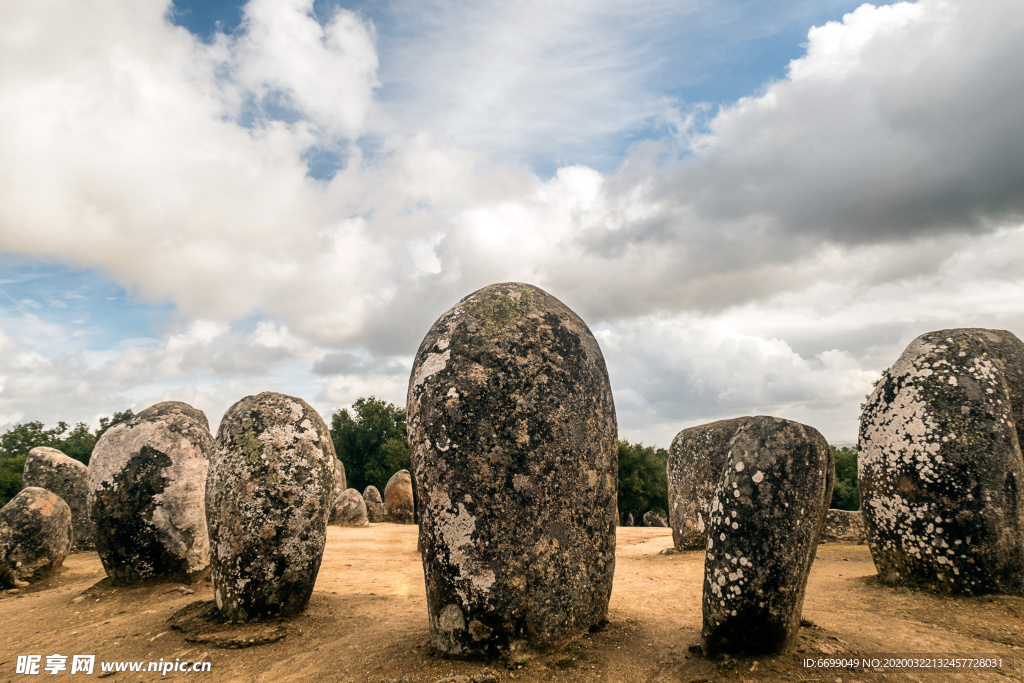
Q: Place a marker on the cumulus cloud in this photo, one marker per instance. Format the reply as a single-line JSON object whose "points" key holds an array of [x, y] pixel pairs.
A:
{"points": [[767, 255]]}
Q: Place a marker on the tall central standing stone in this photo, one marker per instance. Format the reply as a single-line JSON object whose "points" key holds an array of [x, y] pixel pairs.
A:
{"points": [[268, 497], [512, 437]]}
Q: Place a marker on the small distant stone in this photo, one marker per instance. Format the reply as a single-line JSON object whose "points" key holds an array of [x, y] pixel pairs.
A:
{"points": [[374, 505], [654, 519], [50, 469], [844, 526], [147, 482], [268, 498], [35, 536], [349, 509], [340, 481], [628, 519], [941, 469], [398, 500]]}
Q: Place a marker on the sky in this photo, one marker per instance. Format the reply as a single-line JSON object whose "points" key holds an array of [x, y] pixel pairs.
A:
{"points": [[755, 206]]}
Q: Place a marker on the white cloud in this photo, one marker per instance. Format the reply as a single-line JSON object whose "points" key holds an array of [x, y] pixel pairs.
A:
{"points": [[804, 235]]}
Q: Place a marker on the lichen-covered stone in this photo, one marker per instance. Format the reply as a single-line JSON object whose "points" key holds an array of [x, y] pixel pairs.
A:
{"points": [[513, 441], [374, 504], [50, 469], [844, 526], [398, 498], [147, 481], [766, 519], [349, 509], [268, 499], [940, 467], [694, 469], [652, 518], [35, 536]]}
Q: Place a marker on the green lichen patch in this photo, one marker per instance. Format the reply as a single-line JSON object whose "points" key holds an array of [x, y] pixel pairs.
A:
{"points": [[247, 442], [501, 306]]}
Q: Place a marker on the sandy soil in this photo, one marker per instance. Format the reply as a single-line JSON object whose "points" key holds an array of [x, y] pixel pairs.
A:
{"points": [[367, 622]]}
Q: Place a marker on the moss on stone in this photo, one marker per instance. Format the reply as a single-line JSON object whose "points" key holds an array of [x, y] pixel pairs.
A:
{"points": [[495, 309], [248, 443]]}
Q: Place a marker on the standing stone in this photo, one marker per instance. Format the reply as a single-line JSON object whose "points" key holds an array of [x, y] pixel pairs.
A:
{"points": [[35, 536], [268, 498], [50, 469], [147, 481], [340, 483], [766, 519], [513, 439], [940, 468], [844, 526], [694, 468], [398, 500], [374, 504], [349, 509], [652, 518]]}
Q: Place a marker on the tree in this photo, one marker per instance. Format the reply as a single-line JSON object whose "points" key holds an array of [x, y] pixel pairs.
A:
{"points": [[371, 442], [845, 495], [643, 479], [17, 441]]}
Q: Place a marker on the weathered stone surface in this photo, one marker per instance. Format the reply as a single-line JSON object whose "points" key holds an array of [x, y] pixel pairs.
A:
{"points": [[349, 509], [652, 518], [398, 498], [50, 469], [628, 521], [940, 467], [35, 535], [766, 519], [147, 481], [374, 505], [268, 498], [340, 483], [695, 464], [844, 526], [513, 441]]}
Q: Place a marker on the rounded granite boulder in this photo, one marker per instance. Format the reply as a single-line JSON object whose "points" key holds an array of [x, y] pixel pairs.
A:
{"points": [[512, 437], [35, 536], [766, 520], [50, 469], [268, 498], [147, 481], [398, 498], [374, 505], [941, 474], [695, 463], [653, 519], [844, 526], [349, 509]]}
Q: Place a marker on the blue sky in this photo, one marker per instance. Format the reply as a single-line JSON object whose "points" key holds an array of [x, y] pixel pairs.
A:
{"points": [[755, 205]]}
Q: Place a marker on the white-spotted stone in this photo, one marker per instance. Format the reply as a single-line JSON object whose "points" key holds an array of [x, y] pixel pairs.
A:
{"points": [[765, 532], [941, 473]]}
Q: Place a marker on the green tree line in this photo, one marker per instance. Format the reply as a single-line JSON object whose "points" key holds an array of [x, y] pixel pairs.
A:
{"points": [[370, 438], [76, 442]]}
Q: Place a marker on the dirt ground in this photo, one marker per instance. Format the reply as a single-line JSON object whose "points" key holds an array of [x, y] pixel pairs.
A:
{"points": [[367, 621]]}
